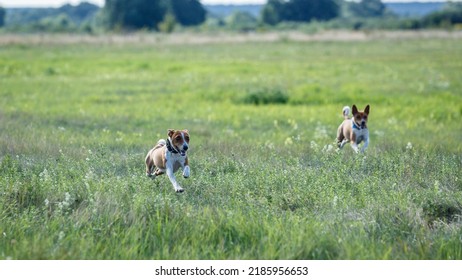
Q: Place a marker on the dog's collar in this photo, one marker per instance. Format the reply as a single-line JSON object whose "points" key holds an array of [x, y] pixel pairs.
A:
{"points": [[354, 125], [170, 147]]}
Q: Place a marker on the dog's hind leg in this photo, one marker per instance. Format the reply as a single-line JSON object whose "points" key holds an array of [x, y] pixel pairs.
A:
{"points": [[159, 171], [340, 137], [149, 165]]}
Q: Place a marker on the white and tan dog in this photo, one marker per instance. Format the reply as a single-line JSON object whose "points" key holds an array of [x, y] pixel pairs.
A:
{"points": [[354, 130], [168, 156]]}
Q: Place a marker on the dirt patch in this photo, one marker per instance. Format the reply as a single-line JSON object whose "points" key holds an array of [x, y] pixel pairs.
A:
{"points": [[218, 38]]}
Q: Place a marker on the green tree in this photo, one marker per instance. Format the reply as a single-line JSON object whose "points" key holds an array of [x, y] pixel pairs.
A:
{"points": [[2, 16], [272, 12], [449, 16], [276, 11], [80, 12], [367, 8], [134, 14], [168, 24], [242, 21], [188, 12]]}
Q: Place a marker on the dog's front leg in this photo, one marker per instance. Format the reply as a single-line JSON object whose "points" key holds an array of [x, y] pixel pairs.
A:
{"points": [[186, 171], [185, 167], [366, 143], [172, 178], [354, 145]]}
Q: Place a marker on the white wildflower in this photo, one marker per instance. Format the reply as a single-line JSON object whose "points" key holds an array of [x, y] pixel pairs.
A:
{"points": [[327, 148], [44, 176], [293, 123], [313, 145], [409, 146], [47, 202], [269, 145]]}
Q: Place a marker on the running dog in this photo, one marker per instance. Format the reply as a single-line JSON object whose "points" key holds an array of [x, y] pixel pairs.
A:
{"points": [[354, 130], [168, 156]]}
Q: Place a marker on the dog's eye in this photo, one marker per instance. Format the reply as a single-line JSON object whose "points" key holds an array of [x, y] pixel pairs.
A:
{"points": [[178, 138], [186, 138]]}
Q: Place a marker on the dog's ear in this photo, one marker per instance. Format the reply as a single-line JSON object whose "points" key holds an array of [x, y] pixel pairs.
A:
{"points": [[185, 130], [367, 109], [170, 132], [355, 110]]}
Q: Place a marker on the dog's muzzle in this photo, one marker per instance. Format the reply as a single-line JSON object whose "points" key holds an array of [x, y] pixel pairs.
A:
{"points": [[183, 151]]}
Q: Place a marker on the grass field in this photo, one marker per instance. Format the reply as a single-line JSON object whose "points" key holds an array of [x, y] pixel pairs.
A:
{"points": [[76, 121]]}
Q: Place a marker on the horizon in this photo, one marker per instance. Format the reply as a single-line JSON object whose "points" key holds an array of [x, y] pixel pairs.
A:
{"points": [[59, 3]]}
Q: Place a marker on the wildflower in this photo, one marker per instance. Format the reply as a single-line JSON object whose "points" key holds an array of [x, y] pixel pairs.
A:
{"points": [[293, 123], [409, 146], [47, 202], [44, 176], [269, 145], [288, 141], [327, 148], [313, 145], [67, 196]]}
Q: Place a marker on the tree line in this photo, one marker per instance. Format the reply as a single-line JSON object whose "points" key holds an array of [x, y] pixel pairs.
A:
{"points": [[165, 15]]}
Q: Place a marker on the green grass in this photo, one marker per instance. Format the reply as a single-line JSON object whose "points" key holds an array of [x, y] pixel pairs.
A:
{"points": [[77, 120]]}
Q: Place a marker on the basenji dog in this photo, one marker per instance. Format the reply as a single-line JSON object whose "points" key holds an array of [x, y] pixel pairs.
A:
{"points": [[168, 156], [354, 130]]}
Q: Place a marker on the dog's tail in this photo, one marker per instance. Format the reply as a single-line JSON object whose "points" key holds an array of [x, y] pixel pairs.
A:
{"points": [[161, 142], [346, 112]]}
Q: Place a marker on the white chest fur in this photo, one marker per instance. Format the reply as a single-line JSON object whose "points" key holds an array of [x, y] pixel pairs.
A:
{"points": [[174, 160], [360, 134]]}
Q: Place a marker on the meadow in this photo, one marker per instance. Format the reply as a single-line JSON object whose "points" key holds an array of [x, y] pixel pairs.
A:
{"points": [[267, 181]]}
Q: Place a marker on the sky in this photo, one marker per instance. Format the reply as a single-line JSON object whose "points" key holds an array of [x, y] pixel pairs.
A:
{"points": [[58, 3]]}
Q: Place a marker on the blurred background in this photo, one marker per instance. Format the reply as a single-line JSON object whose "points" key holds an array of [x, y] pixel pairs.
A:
{"points": [[311, 16]]}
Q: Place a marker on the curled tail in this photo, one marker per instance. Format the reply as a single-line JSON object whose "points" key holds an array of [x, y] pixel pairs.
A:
{"points": [[161, 142], [346, 112]]}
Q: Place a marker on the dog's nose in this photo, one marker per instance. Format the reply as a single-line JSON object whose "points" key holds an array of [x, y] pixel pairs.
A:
{"points": [[185, 147]]}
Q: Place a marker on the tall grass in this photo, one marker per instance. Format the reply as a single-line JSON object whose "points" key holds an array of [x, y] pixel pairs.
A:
{"points": [[267, 181]]}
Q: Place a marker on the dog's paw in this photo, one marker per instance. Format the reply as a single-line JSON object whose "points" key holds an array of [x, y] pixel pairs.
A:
{"points": [[179, 190], [186, 172]]}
